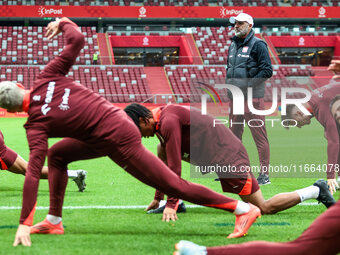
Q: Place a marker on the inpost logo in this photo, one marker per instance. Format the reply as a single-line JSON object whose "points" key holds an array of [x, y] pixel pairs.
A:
{"points": [[44, 11], [229, 12]]}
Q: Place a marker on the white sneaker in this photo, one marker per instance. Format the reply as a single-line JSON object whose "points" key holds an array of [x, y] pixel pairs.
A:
{"points": [[80, 180], [189, 248]]}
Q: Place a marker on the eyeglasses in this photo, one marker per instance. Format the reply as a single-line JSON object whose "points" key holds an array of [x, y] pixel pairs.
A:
{"points": [[240, 23]]}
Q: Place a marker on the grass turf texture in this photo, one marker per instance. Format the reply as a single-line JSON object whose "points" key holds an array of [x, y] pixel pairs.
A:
{"points": [[132, 231]]}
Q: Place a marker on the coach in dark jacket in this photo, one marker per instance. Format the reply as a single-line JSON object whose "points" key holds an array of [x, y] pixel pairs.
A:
{"points": [[249, 65]]}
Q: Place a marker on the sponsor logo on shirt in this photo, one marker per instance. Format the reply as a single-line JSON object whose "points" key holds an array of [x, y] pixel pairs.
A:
{"points": [[36, 98], [242, 55], [64, 104], [245, 49], [49, 94]]}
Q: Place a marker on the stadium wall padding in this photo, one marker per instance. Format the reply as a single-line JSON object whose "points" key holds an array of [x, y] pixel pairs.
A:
{"points": [[142, 41], [337, 47], [319, 12], [303, 41]]}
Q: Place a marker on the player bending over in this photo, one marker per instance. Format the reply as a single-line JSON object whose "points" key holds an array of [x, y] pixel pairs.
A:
{"points": [[92, 128], [322, 237], [318, 106], [187, 135], [11, 161]]}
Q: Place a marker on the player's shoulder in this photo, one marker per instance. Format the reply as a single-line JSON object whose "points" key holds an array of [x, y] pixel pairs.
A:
{"points": [[176, 108]]}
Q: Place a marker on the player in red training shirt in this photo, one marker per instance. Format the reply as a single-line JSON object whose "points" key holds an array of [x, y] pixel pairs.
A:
{"points": [[11, 161], [57, 106], [186, 134], [318, 106], [322, 237]]}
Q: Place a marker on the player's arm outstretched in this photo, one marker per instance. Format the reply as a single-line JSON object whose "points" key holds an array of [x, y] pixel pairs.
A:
{"points": [[38, 150], [331, 134], [74, 43], [173, 135]]}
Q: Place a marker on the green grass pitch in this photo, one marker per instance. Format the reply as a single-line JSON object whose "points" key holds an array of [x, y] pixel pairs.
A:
{"points": [[132, 231]]}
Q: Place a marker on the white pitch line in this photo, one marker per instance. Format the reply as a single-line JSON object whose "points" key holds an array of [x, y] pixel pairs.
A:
{"points": [[4, 208]]}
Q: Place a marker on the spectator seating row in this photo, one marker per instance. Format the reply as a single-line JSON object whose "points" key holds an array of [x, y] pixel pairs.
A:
{"points": [[117, 84], [125, 84], [28, 45], [186, 80], [213, 43]]}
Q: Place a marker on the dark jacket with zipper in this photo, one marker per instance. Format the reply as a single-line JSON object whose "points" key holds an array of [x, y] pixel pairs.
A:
{"points": [[249, 64]]}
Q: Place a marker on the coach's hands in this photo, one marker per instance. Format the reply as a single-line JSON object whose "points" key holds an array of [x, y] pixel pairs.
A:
{"points": [[335, 67], [333, 185], [153, 205], [22, 236], [52, 29], [169, 214]]}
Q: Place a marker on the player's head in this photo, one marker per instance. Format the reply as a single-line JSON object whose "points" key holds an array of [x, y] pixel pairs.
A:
{"points": [[335, 108], [293, 113], [142, 117], [11, 96], [243, 24]]}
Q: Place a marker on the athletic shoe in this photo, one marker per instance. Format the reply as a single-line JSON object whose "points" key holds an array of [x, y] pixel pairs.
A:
{"points": [[80, 180], [189, 248], [181, 209], [325, 195], [46, 227], [244, 221], [263, 179]]}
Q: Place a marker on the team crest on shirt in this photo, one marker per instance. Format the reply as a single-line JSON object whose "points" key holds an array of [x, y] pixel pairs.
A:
{"points": [[36, 98], [245, 49], [64, 105]]}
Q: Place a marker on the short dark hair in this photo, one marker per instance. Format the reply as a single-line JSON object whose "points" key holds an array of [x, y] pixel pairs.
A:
{"points": [[336, 98], [135, 111]]}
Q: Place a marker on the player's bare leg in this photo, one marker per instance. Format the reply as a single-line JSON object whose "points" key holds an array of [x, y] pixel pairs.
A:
{"points": [[275, 204], [283, 201]]}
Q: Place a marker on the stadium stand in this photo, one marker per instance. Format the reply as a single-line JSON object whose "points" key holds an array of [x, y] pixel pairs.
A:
{"points": [[185, 79], [24, 51], [116, 83], [213, 44], [27, 45]]}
